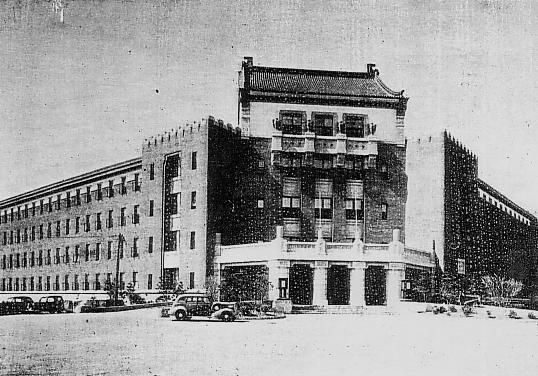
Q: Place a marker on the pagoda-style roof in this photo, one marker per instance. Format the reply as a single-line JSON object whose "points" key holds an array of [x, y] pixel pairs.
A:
{"points": [[308, 86]]}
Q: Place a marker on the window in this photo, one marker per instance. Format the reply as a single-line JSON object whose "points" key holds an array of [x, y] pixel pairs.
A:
{"points": [[136, 216], [260, 204], [4, 242], [135, 279], [193, 240], [123, 188], [68, 199], [384, 211], [11, 237], [98, 221], [172, 203], [109, 250], [57, 256], [97, 281], [25, 235], [194, 163], [67, 222], [57, 283], [47, 285], [39, 283], [32, 284], [191, 280], [87, 223], [18, 236], [24, 260], [76, 257], [58, 202], [86, 282], [283, 288], [32, 259], [66, 282], [77, 225], [33, 233], [152, 171], [26, 211], [354, 208], [58, 226], [122, 281], [48, 260], [122, 217], [110, 220], [134, 249], [66, 259], [99, 192], [33, 209], [292, 122], [151, 203], [88, 194], [40, 231], [11, 215], [150, 281], [40, 258], [354, 125], [150, 244], [17, 260], [76, 285], [291, 198], [193, 200], [323, 199], [87, 253], [49, 230], [111, 188], [18, 212], [136, 183], [323, 124], [77, 197], [97, 251]]}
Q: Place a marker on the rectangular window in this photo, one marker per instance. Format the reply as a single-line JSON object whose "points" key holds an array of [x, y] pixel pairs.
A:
{"points": [[76, 284], [48, 260], [134, 249], [58, 229], [49, 230], [76, 257], [32, 259], [97, 281], [66, 282], [97, 251], [88, 194], [122, 281], [193, 200], [194, 162], [136, 216], [323, 199], [110, 220], [150, 281], [98, 221], [151, 203], [191, 280], [123, 188], [122, 217], [18, 236], [150, 244], [384, 211], [323, 124], [18, 212], [47, 285], [260, 204], [354, 209], [25, 210], [136, 183], [135, 279], [77, 225], [11, 215], [292, 122], [99, 192], [40, 258], [40, 283], [152, 171], [33, 233], [87, 253], [24, 260], [41, 231], [87, 223], [11, 237], [193, 240], [33, 209], [57, 256], [86, 282], [4, 242], [58, 202], [354, 125], [68, 199], [32, 284], [111, 188], [67, 222], [23, 285], [77, 197], [109, 250], [66, 257], [25, 235]]}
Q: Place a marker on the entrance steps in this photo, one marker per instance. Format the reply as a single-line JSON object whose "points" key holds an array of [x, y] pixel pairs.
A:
{"points": [[340, 309]]}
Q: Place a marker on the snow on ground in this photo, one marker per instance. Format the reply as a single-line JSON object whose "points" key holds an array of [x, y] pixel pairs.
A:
{"points": [[142, 343]]}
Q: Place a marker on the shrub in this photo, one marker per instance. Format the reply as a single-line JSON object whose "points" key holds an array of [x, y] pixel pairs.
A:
{"points": [[532, 316], [514, 315], [429, 308], [467, 310], [452, 309], [501, 290], [442, 309]]}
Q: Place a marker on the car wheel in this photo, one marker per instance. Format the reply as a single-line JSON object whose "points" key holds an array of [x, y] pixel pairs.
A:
{"points": [[180, 315], [226, 317], [216, 307]]}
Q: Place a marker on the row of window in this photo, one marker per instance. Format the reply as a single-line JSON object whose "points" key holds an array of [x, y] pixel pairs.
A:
{"points": [[323, 124], [68, 200], [76, 255], [85, 224], [173, 239], [68, 282]]}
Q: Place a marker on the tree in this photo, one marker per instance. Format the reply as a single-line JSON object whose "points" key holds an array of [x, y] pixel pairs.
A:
{"points": [[501, 290], [212, 288]]}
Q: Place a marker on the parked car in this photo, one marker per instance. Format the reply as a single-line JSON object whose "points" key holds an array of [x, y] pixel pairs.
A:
{"points": [[52, 304], [186, 306], [21, 304]]}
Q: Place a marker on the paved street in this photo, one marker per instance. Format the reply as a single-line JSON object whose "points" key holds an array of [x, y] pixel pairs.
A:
{"points": [[141, 343]]}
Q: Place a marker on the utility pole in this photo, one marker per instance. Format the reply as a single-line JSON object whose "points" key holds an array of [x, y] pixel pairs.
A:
{"points": [[117, 282]]}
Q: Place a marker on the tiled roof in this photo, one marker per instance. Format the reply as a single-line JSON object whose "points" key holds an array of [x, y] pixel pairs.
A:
{"points": [[301, 81]]}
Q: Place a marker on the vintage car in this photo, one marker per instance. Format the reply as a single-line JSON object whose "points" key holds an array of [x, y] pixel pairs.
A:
{"points": [[51, 304], [21, 304], [186, 306]]}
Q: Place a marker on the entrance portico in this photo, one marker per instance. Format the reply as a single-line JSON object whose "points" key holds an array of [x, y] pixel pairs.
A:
{"points": [[321, 273]]}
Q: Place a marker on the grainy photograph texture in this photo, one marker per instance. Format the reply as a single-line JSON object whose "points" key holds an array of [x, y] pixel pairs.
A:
{"points": [[193, 187]]}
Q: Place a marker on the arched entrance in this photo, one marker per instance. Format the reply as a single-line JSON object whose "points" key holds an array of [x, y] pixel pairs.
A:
{"points": [[301, 284], [338, 285], [375, 285]]}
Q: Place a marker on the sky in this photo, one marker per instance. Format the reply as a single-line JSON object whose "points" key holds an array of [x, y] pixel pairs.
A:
{"points": [[83, 94]]}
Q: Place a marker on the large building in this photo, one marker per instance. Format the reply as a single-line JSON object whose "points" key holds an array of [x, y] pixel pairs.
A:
{"points": [[473, 229], [310, 188]]}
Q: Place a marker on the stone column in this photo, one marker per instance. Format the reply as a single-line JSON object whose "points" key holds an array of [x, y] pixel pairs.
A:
{"points": [[319, 295], [277, 269], [395, 276], [357, 284]]}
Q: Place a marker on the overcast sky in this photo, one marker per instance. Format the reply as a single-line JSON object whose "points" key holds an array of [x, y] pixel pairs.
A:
{"points": [[84, 94]]}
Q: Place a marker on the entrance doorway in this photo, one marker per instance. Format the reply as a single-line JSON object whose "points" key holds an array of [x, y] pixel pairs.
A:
{"points": [[301, 284], [338, 285], [375, 280]]}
